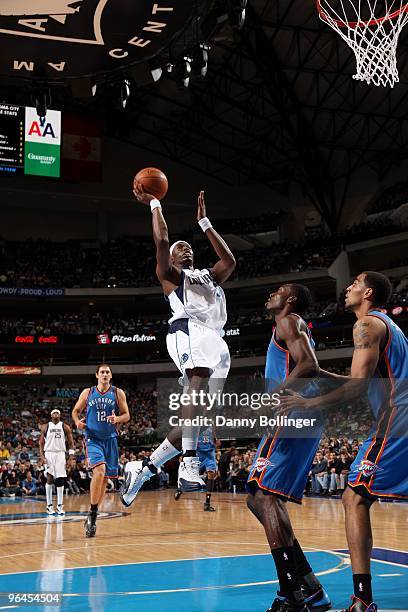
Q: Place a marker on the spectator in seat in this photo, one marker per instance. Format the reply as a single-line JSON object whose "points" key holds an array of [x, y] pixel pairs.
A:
{"points": [[318, 473], [13, 484], [29, 485], [343, 468]]}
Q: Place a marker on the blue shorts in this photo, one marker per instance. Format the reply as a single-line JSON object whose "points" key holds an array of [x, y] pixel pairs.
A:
{"points": [[281, 466], [207, 460], [381, 468], [103, 451]]}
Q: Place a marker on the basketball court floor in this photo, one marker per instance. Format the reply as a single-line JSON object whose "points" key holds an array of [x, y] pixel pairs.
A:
{"points": [[166, 555]]}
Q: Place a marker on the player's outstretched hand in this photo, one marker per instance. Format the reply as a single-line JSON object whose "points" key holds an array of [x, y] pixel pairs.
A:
{"points": [[201, 211], [141, 195]]}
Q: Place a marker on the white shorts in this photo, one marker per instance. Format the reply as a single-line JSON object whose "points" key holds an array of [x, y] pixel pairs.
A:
{"points": [[55, 464], [196, 346]]}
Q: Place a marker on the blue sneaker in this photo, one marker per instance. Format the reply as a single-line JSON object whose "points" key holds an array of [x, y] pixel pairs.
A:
{"points": [[319, 601]]}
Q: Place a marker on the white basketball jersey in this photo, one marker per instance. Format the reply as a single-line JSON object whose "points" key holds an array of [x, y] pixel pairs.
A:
{"points": [[55, 438], [200, 299]]}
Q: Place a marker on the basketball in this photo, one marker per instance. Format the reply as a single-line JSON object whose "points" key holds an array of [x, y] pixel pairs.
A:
{"points": [[153, 181]]}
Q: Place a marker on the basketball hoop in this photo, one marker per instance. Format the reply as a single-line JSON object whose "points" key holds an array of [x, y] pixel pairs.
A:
{"points": [[371, 28]]}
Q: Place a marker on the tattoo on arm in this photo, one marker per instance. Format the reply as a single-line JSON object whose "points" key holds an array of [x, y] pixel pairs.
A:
{"points": [[361, 335]]}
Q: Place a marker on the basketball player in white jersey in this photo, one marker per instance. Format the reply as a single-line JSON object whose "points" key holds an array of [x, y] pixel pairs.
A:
{"points": [[194, 339], [53, 445]]}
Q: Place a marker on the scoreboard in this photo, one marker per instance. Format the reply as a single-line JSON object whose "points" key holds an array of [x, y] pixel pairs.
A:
{"points": [[29, 143], [12, 120]]}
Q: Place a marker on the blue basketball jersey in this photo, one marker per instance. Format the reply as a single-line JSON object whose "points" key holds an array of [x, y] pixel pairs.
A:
{"points": [[206, 440], [392, 367], [282, 462], [279, 363], [100, 405], [380, 468]]}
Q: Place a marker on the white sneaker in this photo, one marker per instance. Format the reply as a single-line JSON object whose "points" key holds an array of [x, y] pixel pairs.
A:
{"points": [[60, 510], [189, 475], [135, 476], [50, 509]]}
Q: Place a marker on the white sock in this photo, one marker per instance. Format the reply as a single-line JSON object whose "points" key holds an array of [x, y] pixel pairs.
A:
{"points": [[60, 495], [163, 453], [189, 438], [48, 492]]}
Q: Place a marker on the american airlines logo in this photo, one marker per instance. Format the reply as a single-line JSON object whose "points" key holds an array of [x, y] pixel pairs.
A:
{"points": [[68, 38]]}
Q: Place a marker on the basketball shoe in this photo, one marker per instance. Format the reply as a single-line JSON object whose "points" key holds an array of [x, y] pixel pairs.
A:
{"points": [[208, 507], [359, 606], [318, 601], [50, 510], [60, 510], [136, 474], [283, 604], [189, 479], [90, 525], [177, 494]]}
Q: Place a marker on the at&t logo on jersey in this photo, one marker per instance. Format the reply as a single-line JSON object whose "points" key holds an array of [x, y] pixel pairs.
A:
{"points": [[368, 468], [261, 463]]}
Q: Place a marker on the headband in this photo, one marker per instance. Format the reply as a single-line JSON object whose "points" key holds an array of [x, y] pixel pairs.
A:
{"points": [[173, 246]]}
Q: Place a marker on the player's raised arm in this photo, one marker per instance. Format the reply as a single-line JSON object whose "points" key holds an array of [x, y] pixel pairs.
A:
{"points": [[164, 267], [223, 269], [79, 408]]}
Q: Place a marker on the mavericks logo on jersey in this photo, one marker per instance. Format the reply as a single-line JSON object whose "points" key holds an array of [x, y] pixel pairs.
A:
{"points": [[183, 358], [368, 468], [201, 279]]}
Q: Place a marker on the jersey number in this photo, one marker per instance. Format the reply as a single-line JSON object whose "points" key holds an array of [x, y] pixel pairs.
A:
{"points": [[57, 435], [101, 416]]}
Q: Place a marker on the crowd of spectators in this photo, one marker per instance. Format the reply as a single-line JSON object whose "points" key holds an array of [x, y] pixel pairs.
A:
{"points": [[76, 323], [23, 409], [130, 262]]}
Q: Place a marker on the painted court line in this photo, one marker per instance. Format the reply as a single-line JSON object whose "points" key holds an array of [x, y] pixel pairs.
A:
{"points": [[344, 562]]}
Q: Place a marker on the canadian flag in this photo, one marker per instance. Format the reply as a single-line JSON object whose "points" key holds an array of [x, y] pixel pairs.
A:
{"points": [[81, 148]]}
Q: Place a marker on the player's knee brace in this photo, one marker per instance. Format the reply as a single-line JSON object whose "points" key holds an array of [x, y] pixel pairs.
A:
{"points": [[60, 482]]}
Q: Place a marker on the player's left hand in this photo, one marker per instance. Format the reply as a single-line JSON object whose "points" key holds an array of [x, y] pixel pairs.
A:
{"points": [[112, 418], [201, 210]]}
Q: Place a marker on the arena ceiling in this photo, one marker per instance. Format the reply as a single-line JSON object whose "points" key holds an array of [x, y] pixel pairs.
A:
{"points": [[278, 105]]}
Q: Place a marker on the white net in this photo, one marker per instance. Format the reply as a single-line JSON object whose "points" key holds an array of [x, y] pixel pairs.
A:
{"points": [[371, 28]]}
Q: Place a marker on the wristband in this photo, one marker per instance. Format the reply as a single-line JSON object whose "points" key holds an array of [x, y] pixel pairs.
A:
{"points": [[154, 204], [205, 224], [71, 452]]}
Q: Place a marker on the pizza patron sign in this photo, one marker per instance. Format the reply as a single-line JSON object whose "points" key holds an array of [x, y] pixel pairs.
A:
{"points": [[60, 39]]}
